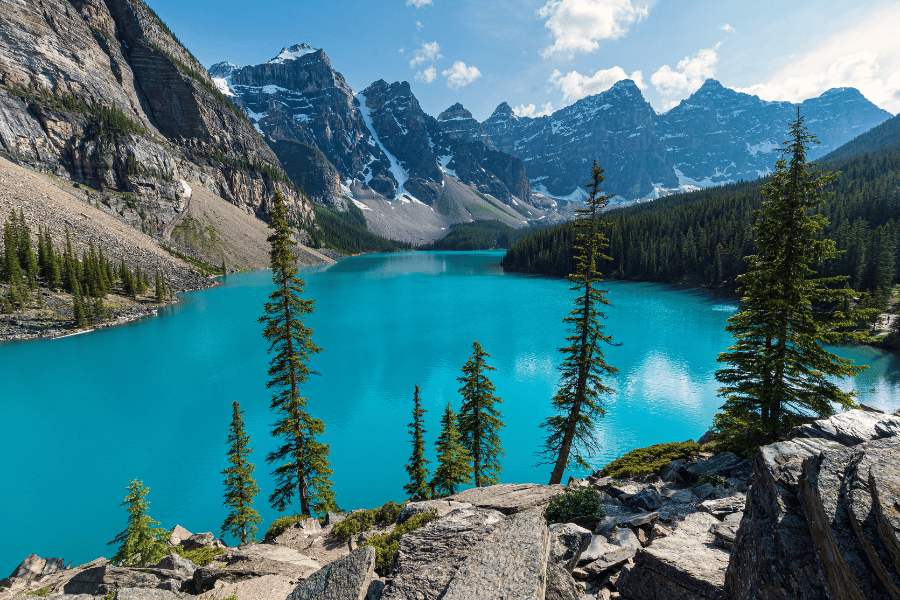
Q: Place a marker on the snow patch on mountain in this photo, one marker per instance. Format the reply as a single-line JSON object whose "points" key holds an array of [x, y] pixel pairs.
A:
{"points": [[223, 84], [400, 174], [293, 53], [764, 147]]}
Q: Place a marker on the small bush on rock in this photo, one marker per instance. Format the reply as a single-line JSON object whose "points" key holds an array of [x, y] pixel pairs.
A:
{"points": [[386, 545], [713, 480], [652, 459], [582, 502], [279, 526], [367, 519]]}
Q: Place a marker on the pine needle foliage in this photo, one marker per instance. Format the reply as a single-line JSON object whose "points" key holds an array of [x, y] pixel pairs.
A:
{"points": [[779, 371], [578, 404], [240, 487], [303, 467], [417, 488], [454, 463], [141, 543], [479, 420]]}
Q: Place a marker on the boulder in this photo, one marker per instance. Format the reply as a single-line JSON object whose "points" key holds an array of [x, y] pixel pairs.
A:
{"points": [[183, 567], [647, 499], [208, 578], [30, 568], [146, 594], [511, 561], [202, 540], [850, 428], [442, 507], [347, 578], [509, 498], [724, 465], [560, 585], [567, 542], [308, 526], [178, 534], [376, 589], [611, 557], [333, 518], [428, 557], [101, 580], [266, 587], [670, 471], [726, 531], [722, 507], [684, 566], [254, 560], [624, 538]]}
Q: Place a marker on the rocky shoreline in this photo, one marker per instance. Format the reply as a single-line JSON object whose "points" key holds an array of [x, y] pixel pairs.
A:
{"points": [[814, 517]]}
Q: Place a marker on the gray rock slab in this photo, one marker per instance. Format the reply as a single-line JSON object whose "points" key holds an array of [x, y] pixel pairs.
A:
{"points": [[560, 585], [683, 566], [850, 428], [31, 567], [146, 594], [104, 579], [613, 558], [721, 508], [347, 578], [332, 518], [510, 563], [202, 540], [428, 557], [178, 534], [624, 538], [442, 507], [647, 499], [567, 542], [509, 498], [726, 464], [183, 567], [266, 587]]}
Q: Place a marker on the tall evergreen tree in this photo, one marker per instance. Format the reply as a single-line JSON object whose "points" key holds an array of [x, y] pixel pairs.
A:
{"points": [[417, 488], [240, 487], [578, 404], [479, 420], [779, 370], [141, 543], [304, 469], [454, 463], [160, 288], [79, 312]]}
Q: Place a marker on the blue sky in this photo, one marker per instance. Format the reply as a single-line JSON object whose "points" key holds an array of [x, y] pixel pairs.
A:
{"points": [[542, 55]]}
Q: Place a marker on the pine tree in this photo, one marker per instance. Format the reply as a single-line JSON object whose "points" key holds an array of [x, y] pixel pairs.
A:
{"points": [[479, 420], [304, 469], [417, 488], [578, 404], [240, 487], [79, 315], [454, 463], [160, 288], [779, 370], [141, 543]]}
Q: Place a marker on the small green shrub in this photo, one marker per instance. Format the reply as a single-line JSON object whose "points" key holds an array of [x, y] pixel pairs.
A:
{"points": [[280, 525], [712, 479], [199, 556], [582, 502], [652, 459], [386, 545], [42, 592], [367, 519]]}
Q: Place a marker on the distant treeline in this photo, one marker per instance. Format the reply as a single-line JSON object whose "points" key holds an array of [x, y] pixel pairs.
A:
{"points": [[701, 238], [479, 235], [347, 232]]}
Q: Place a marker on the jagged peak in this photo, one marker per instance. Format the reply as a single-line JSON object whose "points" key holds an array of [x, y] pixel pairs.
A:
{"points": [[293, 53], [222, 69], [710, 85], [456, 112], [503, 111]]}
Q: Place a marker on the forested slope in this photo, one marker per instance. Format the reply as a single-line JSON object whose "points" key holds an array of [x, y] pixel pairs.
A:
{"points": [[701, 238]]}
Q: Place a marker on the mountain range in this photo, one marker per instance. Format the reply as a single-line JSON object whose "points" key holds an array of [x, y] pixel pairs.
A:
{"points": [[413, 175]]}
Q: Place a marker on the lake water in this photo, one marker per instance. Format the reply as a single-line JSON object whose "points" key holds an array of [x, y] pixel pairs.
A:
{"points": [[152, 400]]}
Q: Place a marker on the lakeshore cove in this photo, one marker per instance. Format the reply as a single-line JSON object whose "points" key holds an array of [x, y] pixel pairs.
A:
{"points": [[151, 400]]}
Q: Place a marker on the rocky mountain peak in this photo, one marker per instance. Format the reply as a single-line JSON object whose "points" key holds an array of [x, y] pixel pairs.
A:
{"points": [[221, 70], [455, 112], [293, 53], [503, 112]]}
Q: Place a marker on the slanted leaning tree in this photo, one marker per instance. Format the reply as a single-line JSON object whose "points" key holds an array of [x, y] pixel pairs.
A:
{"points": [[479, 420], [578, 404], [779, 370], [417, 488], [141, 543], [240, 487], [303, 467], [454, 463]]}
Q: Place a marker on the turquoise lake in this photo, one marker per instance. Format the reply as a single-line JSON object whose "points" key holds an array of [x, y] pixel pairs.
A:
{"points": [[152, 400]]}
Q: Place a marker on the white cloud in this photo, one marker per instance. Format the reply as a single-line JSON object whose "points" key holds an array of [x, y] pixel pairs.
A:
{"points": [[401, 50], [727, 27], [687, 77], [419, 26], [575, 86], [427, 52], [427, 76], [418, 3], [864, 56], [460, 75], [578, 25], [531, 110]]}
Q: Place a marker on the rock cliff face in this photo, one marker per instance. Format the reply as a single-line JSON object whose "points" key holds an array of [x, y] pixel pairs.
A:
{"points": [[102, 93]]}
